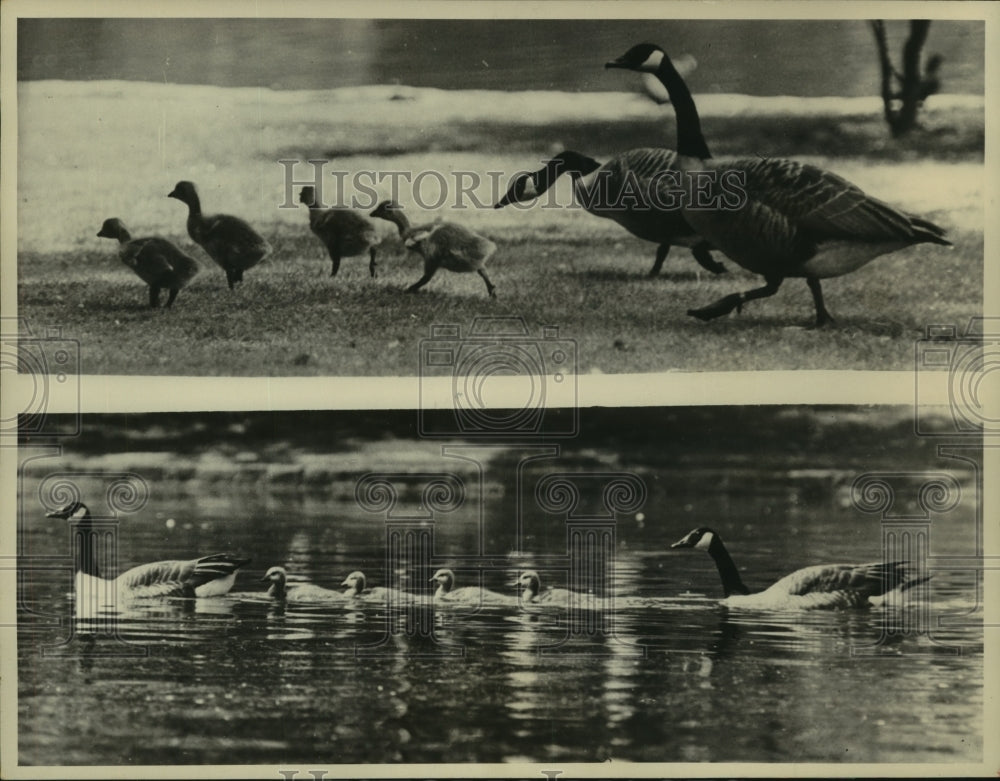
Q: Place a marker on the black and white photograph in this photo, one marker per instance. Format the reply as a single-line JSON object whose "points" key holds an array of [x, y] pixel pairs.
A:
{"points": [[308, 589], [308, 197], [498, 389]]}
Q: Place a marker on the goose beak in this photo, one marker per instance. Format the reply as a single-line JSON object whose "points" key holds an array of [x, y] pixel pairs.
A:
{"points": [[346, 583], [619, 63], [265, 578], [53, 514]]}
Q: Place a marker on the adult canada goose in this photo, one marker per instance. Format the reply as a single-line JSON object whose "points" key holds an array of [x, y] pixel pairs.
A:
{"points": [[343, 231], [228, 240], [623, 190], [442, 245], [811, 588], [155, 261], [280, 588], [209, 576], [777, 218]]}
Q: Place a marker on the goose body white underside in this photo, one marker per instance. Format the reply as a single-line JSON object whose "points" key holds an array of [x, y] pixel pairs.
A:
{"points": [[836, 258], [93, 595], [773, 599]]}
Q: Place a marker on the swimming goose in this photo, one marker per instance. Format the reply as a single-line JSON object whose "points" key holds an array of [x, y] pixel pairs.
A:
{"points": [[357, 586], [817, 587], [777, 218], [280, 588], [209, 576], [228, 240], [343, 231], [620, 190], [534, 593], [471, 595], [155, 261], [442, 245]]}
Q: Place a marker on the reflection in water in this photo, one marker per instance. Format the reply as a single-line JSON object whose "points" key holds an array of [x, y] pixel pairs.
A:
{"points": [[507, 684], [647, 673]]}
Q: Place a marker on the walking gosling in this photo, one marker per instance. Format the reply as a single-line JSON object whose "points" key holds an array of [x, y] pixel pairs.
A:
{"points": [[228, 240], [155, 261], [442, 245], [343, 231]]}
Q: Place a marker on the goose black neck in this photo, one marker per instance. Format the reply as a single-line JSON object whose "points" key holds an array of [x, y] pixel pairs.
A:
{"points": [[732, 583], [124, 237], [396, 216], [568, 162], [193, 202], [690, 141], [86, 546], [277, 589]]}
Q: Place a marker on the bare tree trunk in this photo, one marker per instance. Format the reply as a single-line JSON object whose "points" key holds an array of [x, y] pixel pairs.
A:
{"points": [[903, 119]]}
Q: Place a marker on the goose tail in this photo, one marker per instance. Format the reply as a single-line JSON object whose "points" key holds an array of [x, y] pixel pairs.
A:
{"points": [[927, 231]]}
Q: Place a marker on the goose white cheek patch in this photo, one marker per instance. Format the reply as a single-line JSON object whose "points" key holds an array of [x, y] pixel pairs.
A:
{"points": [[653, 61], [530, 191], [705, 541]]}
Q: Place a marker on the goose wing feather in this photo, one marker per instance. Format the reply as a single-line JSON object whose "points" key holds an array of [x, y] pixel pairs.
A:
{"points": [[824, 204], [178, 578], [866, 580], [157, 578], [645, 162]]}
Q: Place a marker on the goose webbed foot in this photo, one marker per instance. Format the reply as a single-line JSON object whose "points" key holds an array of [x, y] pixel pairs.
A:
{"points": [[723, 306], [727, 304]]}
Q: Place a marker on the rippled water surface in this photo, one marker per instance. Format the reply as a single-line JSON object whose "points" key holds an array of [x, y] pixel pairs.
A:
{"points": [[242, 679]]}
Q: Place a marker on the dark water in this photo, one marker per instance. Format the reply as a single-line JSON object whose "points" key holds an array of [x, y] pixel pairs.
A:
{"points": [[792, 57], [241, 679]]}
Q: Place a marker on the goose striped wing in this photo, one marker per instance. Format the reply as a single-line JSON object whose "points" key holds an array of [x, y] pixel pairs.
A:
{"points": [[863, 580], [177, 578], [824, 204], [645, 162]]}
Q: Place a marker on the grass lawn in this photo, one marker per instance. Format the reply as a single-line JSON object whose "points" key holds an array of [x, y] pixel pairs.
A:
{"points": [[113, 149]]}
